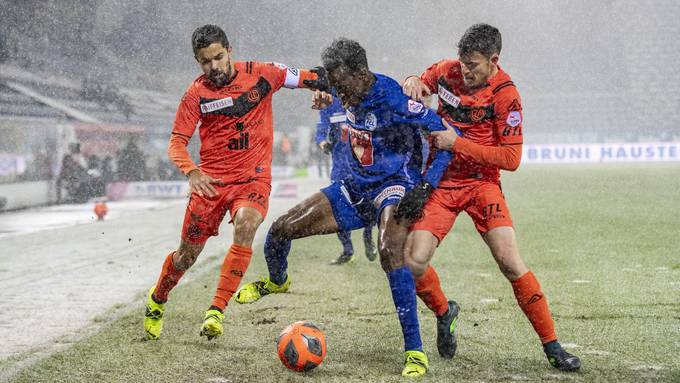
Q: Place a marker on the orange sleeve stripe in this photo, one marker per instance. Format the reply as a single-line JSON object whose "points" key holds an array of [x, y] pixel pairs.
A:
{"points": [[504, 157], [178, 153]]}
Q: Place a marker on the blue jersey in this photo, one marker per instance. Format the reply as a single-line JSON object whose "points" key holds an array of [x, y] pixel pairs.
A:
{"points": [[332, 127], [385, 138]]}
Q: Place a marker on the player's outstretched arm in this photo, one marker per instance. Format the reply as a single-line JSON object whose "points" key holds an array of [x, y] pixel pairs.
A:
{"points": [[415, 88]]}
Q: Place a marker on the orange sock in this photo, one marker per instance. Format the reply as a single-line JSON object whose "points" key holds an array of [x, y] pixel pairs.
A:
{"points": [[168, 279], [234, 266], [429, 290], [535, 306]]}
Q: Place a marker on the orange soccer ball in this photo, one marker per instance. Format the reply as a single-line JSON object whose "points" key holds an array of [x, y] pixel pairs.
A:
{"points": [[302, 346]]}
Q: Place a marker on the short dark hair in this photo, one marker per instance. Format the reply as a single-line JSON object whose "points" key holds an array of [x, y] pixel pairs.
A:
{"points": [[482, 38], [344, 52], [206, 35]]}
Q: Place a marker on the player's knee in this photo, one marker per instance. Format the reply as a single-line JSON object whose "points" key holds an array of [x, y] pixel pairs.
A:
{"points": [[389, 258], [510, 264], [246, 228], [417, 268], [281, 229]]}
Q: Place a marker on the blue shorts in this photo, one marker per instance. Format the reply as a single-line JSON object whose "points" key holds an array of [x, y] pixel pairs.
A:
{"points": [[353, 209]]}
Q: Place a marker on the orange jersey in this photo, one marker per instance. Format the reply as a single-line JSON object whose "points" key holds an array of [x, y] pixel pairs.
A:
{"points": [[234, 122], [490, 119]]}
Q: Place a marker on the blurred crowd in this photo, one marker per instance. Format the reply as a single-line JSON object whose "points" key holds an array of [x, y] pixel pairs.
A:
{"points": [[84, 177]]}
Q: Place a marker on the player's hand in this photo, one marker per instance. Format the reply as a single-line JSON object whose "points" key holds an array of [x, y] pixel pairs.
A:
{"points": [[444, 139], [415, 88], [411, 206], [321, 83], [202, 184], [326, 146], [321, 100]]}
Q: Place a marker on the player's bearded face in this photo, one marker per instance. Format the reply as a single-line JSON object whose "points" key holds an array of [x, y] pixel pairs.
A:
{"points": [[215, 60], [477, 68]]}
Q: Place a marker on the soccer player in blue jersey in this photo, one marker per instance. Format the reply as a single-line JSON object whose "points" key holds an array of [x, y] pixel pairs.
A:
{"points": [[384, 168], [332, 136]]}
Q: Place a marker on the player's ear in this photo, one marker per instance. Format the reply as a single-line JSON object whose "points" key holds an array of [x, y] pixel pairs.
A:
{"points": [[494, 59]]}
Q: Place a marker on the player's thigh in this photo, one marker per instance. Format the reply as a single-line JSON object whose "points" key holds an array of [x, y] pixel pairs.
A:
{"points": [[439, 214], [347, 215], [488, 208], [246, 221], [254, 194], [391, 239], [313, 216], [503, 245], [203, 217], [248, 204]]}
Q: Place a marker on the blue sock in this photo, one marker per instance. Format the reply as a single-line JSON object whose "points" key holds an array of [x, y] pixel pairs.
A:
{"points": [[346, 240], [276, 254], [404, 295]]}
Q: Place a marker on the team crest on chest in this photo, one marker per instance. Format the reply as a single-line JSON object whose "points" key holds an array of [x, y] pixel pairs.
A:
{"points": [[371, 122], [253, 95], [477, 114]]}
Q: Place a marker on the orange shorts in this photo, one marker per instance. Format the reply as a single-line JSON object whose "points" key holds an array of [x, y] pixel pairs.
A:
{"points": [[483, 201], [204, 215]]}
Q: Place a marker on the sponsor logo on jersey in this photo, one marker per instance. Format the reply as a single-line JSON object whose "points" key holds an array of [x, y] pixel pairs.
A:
{"points": [[448, 97], [514, 118], [371, 122], [217, 105], [337, 118], [394, 191], [242, 142], [415, 106]]}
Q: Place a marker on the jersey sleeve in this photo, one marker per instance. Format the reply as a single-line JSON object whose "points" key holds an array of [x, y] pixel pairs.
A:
{"points": [[430, 76], [282, 76], [508, 128], [323, 126], [408, 111], [186, 119], [508, 120], [415, 113]]}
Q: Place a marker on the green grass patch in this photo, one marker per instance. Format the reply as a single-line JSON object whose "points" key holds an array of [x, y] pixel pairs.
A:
{"points": [[602, 240]]}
